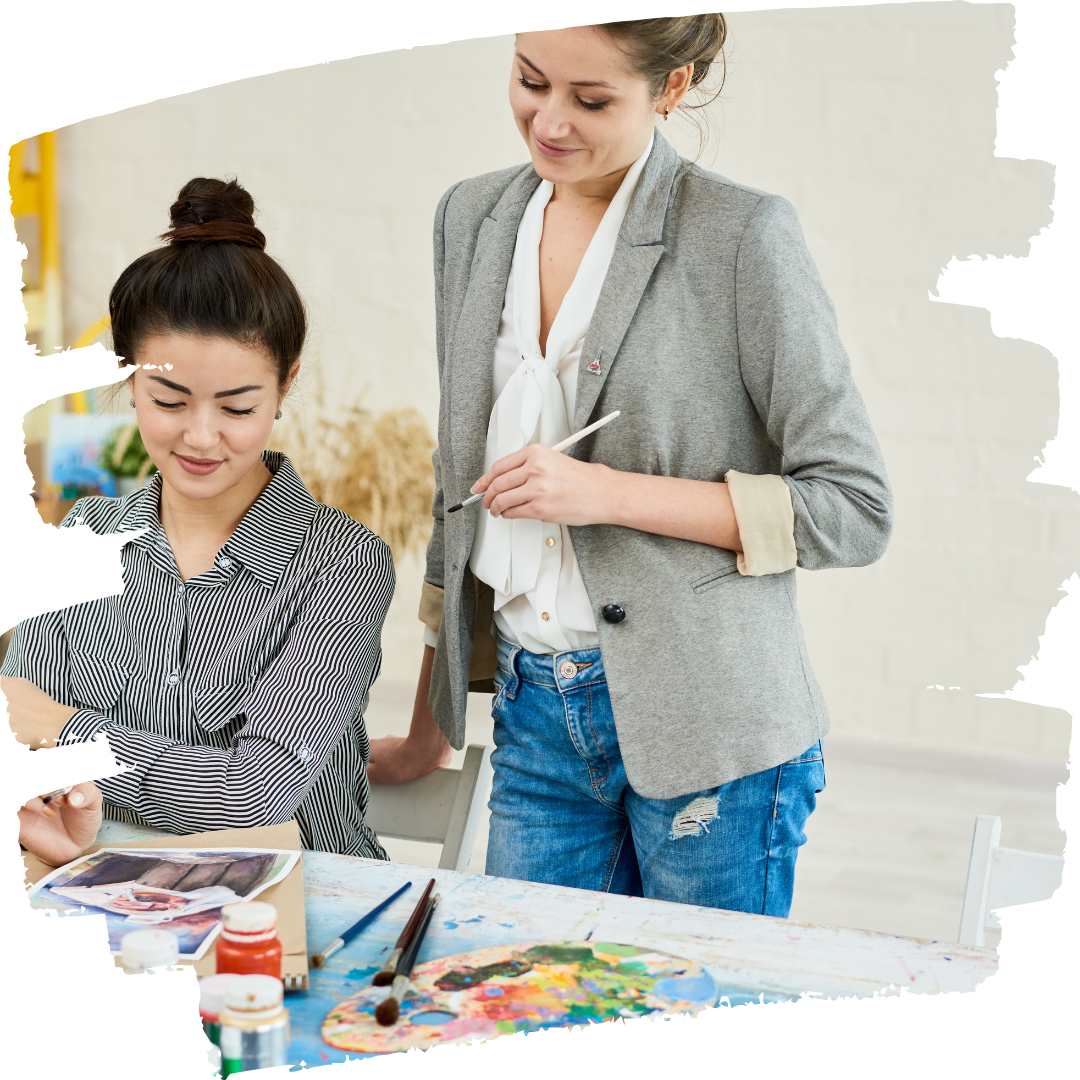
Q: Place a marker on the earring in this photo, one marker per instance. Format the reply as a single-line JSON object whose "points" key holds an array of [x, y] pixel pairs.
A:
{"points": [[131, 402], [278, 417], [665, 112]]}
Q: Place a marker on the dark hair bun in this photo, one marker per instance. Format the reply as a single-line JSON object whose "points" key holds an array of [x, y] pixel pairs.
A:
{"points": [[214, 212]]}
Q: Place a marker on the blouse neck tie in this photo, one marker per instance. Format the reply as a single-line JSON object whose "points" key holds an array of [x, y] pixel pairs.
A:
{"points": [[532, 406]]}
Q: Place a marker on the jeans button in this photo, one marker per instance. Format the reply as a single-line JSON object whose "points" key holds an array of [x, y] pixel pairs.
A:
{"points": [[568, 669], [613, 613]]}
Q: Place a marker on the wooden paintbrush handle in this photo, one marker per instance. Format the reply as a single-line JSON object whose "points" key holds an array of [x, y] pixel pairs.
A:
{"points": [[414, 919]]}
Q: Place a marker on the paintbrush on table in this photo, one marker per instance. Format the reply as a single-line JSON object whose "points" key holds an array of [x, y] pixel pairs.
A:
{"points": [[388, 1010], [385, 976], [340, 942]]}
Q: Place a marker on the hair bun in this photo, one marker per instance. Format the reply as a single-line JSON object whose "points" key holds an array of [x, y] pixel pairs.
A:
{"points": [[214, 211]]}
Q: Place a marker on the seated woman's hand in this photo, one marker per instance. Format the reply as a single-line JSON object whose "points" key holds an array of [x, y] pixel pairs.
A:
{"points": [[64, 828], [35, 718]]}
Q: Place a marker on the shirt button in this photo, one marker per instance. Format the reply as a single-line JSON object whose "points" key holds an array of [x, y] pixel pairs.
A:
{"points": [[173, 678], [568, 669], [613, 613], [545, 616], [224, 562], [550, 541], [304, 753]]}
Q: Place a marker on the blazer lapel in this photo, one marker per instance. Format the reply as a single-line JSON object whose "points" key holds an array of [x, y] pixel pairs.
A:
{"points": [[637, 251], [472, 349]]}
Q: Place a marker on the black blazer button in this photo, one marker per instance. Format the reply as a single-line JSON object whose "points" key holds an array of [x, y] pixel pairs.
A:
{"points": [[613, 613]]}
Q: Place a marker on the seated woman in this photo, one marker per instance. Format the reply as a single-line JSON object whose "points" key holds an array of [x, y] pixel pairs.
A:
{"points": [[232, 673]]}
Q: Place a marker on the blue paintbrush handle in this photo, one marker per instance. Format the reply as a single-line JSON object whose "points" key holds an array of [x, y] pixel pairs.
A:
{"points": [[372, 915]]}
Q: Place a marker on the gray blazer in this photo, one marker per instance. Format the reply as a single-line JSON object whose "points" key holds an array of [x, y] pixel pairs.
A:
{"points": [[718, 343]]}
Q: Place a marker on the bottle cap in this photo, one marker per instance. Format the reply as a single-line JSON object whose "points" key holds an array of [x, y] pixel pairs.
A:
{"points": [[251, 918], [212, 994], [253, 997], [142, 949]]}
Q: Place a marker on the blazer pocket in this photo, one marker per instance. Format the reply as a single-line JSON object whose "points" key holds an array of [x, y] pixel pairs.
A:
{"points": [[96, 681], [216, 706], [713, 578]]}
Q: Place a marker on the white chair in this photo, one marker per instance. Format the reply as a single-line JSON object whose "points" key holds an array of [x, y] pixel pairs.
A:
{"points": [[1001, 877], [443, 807]]}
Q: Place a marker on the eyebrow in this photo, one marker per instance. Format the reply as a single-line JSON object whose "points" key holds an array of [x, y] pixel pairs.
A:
{"points": [[223, 393], [525, 60]]}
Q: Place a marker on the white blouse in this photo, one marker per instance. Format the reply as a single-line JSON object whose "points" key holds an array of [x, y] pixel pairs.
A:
{"points": [[540, 599]]}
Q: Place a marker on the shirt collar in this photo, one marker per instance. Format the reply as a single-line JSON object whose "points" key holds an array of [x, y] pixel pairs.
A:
{"points": [[268, 534]]}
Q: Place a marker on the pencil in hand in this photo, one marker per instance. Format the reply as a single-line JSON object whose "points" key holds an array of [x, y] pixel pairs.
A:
{"points": [[385, 976], [389, 1009]]}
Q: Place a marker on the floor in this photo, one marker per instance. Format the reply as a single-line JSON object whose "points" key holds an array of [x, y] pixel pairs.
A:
{"points": [[887, 848]]}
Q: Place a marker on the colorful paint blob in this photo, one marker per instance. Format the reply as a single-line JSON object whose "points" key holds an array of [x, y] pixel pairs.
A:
{"points": [[510, 988]]}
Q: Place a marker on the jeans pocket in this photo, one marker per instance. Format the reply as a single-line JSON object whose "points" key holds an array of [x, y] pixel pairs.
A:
{"points": [[812, 754]]}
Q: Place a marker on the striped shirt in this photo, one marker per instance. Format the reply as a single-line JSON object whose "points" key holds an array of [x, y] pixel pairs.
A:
{"points": [[237, 697]]}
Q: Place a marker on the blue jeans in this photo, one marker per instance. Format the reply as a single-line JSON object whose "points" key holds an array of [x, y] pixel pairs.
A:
{"points": [[563, 812]]}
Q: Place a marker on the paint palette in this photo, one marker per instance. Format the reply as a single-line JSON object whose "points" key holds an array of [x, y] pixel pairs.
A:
{"points": [[509, 988]]}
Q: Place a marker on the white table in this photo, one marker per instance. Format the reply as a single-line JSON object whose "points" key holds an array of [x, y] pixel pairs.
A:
{"points": [[747, 955]]}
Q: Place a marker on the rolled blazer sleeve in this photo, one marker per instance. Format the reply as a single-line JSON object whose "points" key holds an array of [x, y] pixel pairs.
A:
{"points": [[798, 375]]}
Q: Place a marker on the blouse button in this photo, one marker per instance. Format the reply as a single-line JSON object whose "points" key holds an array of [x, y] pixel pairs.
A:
{"points": [[173, 678], [550, 541], [613, 613], [545, 616], [224, 562]]}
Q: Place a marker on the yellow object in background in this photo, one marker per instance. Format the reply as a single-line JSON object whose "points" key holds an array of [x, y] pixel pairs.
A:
{"points": [[34, 205]]}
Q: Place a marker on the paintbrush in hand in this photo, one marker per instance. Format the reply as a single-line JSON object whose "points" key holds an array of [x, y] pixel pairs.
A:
{"points": [[385, 976], [388, 1010]]}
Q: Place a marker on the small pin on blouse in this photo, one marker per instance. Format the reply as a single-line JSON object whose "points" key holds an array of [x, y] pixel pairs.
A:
{"points": [[594, 367]]}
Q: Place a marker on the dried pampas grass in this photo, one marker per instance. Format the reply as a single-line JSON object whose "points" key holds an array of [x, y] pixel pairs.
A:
{"points": [[377, 468]]}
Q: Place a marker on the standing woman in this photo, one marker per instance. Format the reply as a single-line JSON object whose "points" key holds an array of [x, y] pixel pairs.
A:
{"points": [[232, 673], [657, 725]]}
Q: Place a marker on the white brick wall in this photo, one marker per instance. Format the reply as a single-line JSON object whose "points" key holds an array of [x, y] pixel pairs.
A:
{"points": [[878, 123]]}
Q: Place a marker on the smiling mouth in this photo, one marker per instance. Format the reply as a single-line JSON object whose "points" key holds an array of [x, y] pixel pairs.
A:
{"points": [[552, 151], [198, 466]]}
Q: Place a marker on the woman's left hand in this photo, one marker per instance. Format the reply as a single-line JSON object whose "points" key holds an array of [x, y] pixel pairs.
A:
{"points": [[62, 830], [538, 482], [35, 718]]}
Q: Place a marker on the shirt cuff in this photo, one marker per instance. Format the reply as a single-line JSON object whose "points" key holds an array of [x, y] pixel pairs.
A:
{"points": [[431, 605], [82, 726], [766, 520], [430, 637]]}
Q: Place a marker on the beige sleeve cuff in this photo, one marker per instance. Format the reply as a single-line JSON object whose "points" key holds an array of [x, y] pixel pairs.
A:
{"points": [[766, 521], [431, 602]]}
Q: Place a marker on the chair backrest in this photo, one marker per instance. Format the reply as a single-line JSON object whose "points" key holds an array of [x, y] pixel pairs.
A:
{"points": [[443, 807], [1001, 877]]}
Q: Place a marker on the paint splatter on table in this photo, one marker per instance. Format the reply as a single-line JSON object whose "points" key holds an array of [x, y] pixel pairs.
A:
{"points": [[749, 957]]}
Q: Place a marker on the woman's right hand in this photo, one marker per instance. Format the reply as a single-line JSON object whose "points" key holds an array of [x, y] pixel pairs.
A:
{"points": [[64, 828]]}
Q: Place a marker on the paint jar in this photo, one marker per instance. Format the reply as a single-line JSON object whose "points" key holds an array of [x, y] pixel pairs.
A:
{"points": [[141, 950], [254, 1031], [211, 999], [248, 943]]}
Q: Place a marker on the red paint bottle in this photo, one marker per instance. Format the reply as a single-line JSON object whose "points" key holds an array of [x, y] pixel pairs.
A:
{"points": [[248, 943]]}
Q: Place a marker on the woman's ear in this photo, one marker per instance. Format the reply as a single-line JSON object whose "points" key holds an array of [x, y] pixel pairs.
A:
{"points": [[678, 86], [293, 372]]}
